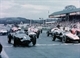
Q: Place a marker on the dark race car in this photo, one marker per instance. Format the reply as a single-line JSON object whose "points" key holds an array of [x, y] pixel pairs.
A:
{"points": [[21, 39]]}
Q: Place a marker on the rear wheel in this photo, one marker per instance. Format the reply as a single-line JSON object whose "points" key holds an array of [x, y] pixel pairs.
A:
{"points": [[38, 34], [47, 34]]}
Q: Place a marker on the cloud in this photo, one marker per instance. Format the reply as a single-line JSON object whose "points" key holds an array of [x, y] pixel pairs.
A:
{"points": [[75, 3], [36, 7], [4, 5], [33, 8]]}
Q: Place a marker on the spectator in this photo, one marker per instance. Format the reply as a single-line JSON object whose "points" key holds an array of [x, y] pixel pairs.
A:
{"points": [[58, 26]]}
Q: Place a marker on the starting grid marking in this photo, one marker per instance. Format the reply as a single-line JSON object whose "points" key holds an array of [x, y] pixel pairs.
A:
{"points": [[4, 55], [65, 44], [55, 44]]}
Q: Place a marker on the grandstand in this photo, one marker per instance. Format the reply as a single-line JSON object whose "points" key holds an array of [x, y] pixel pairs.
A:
{"points": [[69, 16], [69, 13]]}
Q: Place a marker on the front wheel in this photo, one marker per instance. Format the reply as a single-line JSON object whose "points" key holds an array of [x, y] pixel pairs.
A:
{"points": [[34, 41], [64, 40], [54, 38]]}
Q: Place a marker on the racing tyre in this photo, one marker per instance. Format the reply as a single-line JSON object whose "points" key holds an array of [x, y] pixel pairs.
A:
{"points": [[54, 38], [9, 38], [64, 40], [38, 35], [79, 41], [41, 31], [34, 41], [15, 41], [47, 34]]}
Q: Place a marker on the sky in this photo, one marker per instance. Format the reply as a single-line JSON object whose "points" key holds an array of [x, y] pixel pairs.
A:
{"points": [[33, 9]]}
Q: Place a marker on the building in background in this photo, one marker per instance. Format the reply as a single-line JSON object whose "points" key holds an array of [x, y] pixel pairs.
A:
{"points": [[69, 13]]}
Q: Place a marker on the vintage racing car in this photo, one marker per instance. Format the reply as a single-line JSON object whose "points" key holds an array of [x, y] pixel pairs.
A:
{"points": [[3, 32], [64, 35], [68, 36], [35, 30], [21, 39], [50, 31]]}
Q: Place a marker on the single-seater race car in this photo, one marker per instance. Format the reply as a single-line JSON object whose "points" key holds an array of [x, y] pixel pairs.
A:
{"points": [[56, 33], [65, 35], [3, 32], [34, 30], [68, 36], [50, 31], [21, 39]]}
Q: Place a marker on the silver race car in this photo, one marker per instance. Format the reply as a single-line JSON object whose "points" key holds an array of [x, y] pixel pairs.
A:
{"points": [[65, 35], [68, 36], [3, 32]]}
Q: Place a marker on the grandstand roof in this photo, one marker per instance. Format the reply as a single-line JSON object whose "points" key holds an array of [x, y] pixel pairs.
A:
{"points": [[68, 9]]}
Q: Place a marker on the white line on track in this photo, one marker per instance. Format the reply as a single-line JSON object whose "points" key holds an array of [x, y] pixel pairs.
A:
{"points": [[55, 44], [3, 54], [46, 44], [64, 44]]}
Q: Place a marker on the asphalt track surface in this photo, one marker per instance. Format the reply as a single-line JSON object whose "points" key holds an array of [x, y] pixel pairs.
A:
{"points": [[45, 48]]}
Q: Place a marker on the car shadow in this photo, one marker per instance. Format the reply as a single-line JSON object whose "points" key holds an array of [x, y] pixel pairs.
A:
{"points": [[0, 56]]}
